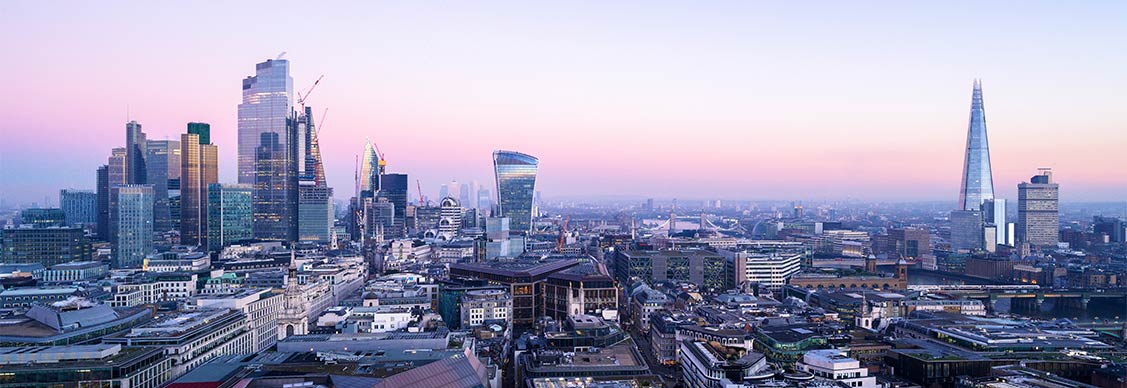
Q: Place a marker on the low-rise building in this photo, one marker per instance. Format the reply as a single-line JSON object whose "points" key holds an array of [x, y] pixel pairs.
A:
{"points": [[101, 365], [479, 306], [77, 271], [260, 307], [192, 338], [835, 366], [712, 365]]}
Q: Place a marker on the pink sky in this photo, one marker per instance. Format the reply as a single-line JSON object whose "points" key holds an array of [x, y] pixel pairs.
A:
{"points": [[739, 101]]}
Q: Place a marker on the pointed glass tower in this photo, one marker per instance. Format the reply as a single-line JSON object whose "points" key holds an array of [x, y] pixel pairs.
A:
{"points": [[977, 181]]}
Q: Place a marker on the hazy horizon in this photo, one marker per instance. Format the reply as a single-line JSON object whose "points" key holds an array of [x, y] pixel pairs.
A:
{"points": [[739, 100]]}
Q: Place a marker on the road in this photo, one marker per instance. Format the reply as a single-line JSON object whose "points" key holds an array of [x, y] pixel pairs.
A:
{"points": [[670, 376]]}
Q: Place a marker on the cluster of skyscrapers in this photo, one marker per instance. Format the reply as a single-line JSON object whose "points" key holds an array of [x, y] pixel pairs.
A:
{"points": [[979, 222], [168, 190]]}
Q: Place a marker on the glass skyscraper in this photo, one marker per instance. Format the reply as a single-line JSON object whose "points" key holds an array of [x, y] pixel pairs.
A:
{"points": [[275, 190], [162, 160], [135, 171], [977, 184], [199, 167], [267, 102], [370, 171], [516, 186], [131, 216], [229, 215], [393, 187]]}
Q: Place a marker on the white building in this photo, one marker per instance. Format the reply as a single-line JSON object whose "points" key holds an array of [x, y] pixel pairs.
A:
{"points": [[481, 305], [449, 219], [767, 266], [192, 338], [261, 307], [153, 289], [75, 272], [833, 364]]}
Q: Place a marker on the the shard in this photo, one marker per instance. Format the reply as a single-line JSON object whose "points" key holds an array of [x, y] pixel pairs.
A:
{"points": [[977, 182]]}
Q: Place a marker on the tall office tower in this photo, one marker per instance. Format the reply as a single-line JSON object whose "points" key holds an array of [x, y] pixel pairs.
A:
{"points": [[464, 191], [266, 106], [229, 215], [199, 167], [516, 184], [393, 188], [131, 217], [162, 160], [977, 184], [103, 205], [1038, 220], [315, 197], [117, 167], [135, 171], [450, 218], [995, 213], [967, 230], [80, 207], [275, 190], [976, 190], [371, 169], [484, 200], [1112, 227]]}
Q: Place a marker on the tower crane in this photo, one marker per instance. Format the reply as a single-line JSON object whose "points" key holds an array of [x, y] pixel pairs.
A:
{"points": [[301, 97], [419, 185]]}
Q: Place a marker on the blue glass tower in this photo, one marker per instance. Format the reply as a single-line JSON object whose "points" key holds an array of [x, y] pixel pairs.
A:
{"points": [[977, 181], [516, 184]]}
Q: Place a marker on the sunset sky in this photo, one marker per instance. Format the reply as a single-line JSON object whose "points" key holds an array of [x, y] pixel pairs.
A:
{"points": [[733, 100]]}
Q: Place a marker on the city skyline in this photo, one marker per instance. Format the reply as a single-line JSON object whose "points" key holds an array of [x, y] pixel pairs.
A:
{"points": [[727, 122]]}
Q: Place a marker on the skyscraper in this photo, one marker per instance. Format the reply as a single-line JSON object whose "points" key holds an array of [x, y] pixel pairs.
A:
{"points": [[103, 203], [80, 207], [117, 167], [314, 204], [162, 161], [267, 102], [135, 171], [393, 188], [131, 217], [275, 190], [370, 170], [229, 215], [977, 184], [199, 167], [1038, 220], [516, 184]]}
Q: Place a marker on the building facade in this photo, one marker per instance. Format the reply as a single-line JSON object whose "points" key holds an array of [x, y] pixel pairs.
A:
{"points": [[266, 104], [131, 218], [199, 167], [230, 217], [1038, 218], [515, 174], [80, 207]]}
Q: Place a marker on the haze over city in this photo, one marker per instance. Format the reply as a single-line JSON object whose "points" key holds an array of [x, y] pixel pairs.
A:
{"points": [[735, 101]]}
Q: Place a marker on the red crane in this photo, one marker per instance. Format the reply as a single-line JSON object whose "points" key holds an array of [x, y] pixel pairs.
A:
{"points": [[301, 97], [419, 185]]}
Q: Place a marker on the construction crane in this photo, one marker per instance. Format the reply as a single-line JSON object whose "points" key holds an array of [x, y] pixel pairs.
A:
{"points": [[419, 185], [301, 97]]}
